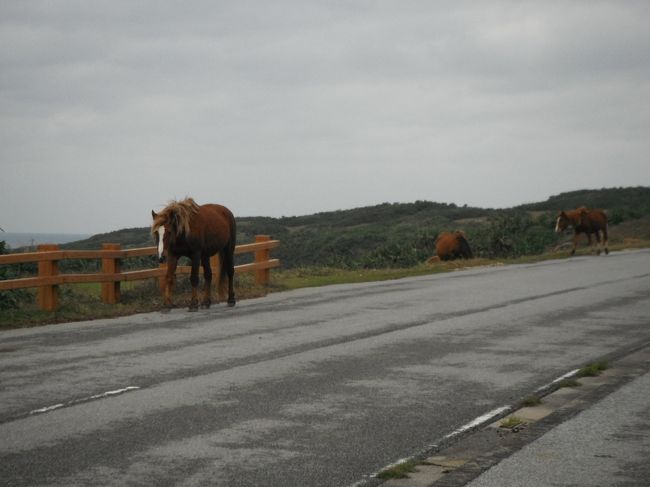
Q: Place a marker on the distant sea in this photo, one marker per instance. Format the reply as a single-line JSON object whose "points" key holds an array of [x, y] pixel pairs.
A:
{"points": [[17, 240]]}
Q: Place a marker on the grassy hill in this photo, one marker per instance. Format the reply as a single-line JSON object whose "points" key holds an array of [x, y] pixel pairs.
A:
{"points": [[403, 234], [621, 203]]}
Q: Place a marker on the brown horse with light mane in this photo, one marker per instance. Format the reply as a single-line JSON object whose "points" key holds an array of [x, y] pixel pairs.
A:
{"points": [[584, 220], [183, 228], [453, 245]]}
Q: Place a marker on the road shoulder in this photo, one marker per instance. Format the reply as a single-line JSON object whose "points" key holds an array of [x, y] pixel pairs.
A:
{"points": [[471, 459]]}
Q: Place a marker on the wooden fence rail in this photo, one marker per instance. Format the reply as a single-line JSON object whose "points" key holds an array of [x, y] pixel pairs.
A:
{"points": [[49, 255]]}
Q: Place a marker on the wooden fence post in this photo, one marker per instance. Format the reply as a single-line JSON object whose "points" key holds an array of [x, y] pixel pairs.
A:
{"points": [[262, 276], [48, 295], [111, 265]]}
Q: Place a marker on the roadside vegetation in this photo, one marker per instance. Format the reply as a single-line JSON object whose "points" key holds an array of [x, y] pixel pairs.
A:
{"points": [[511, 422], [569, 383], [399, 471], [590, 370], [387, 241], [593, 370], [531, 401]]}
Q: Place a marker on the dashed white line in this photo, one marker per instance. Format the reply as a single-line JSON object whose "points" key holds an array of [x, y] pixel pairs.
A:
{"points": [[116, 392], [46, 409], [110, 393]]}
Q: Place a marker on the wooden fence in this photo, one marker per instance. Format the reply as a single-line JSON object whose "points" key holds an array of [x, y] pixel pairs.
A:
{"points": [[49, 255]]}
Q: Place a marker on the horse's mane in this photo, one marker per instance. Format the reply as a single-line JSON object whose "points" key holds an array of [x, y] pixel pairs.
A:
{"points": [[179, 213]]}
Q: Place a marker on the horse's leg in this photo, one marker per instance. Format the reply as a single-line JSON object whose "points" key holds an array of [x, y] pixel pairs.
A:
{"points": [[170, 280], [575, 242], [605, 242], [194, 280], [597, 233], [207, 277], [590, 245]]}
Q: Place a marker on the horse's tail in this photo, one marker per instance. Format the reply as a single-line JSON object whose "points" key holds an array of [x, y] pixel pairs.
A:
{"points": [[226, 269], [227, 262], [222, 279]]}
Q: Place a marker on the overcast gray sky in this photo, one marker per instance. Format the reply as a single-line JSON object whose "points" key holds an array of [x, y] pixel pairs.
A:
{"points": [[289, 107]]}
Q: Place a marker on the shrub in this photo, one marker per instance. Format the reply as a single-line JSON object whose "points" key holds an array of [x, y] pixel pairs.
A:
{"points": [[512, 234], [13, 298]]}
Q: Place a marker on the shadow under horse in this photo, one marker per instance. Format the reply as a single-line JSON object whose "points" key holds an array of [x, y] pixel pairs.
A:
{"points": [[186, 229]]}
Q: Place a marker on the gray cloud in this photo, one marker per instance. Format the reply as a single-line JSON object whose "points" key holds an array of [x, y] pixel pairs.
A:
{"points": [[109, 109]]}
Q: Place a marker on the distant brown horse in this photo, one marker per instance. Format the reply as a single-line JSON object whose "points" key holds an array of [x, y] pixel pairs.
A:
{"points": [[184, 228], [453, 245], [584, 220]]}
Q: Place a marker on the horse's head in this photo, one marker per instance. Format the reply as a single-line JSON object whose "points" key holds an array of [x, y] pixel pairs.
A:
{"points": [[562, 222], [161, 231], [171, 224]]}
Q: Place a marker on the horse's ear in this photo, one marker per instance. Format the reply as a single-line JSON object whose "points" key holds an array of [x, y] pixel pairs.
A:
{"points": [[153, 214]]}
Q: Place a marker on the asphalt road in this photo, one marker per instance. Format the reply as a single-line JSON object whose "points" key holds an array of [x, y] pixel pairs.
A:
{"points": [[317, 387]]}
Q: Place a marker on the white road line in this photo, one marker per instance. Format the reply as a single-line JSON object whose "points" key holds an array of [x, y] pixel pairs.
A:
{"points": [[46, 409], [111, 393], [478, 421], [116, 392], [565, 376]]}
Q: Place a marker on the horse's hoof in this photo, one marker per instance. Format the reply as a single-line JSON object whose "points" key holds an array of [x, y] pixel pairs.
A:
{"points": [[205, 305], [193, 309], [231, 304]]}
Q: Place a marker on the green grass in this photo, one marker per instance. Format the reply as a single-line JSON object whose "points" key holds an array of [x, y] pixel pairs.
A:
{"points": [[284, 280], [530, 401], [399, 471], [288, 279], [78, 302], [569, 383], [511, 422], [593, 370]]}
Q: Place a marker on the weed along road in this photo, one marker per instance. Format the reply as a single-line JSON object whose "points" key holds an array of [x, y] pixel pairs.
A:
{"points": [[315, 387]]}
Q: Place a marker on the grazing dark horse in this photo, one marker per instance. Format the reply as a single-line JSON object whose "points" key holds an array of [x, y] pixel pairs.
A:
{"points": [[453, 245], [584, 220], [184, 228]]}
